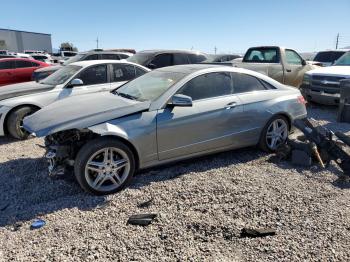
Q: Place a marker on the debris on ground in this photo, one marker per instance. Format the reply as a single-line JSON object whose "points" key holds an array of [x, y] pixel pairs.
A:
{"points": [[248, 232], [141, 219], [38, 223], [146, 203]]}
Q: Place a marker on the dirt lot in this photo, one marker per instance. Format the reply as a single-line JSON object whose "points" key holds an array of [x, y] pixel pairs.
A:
{"points": [[201, 204]]}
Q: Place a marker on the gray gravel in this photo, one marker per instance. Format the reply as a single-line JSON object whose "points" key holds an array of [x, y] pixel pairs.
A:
{"points": [[202, 205]]}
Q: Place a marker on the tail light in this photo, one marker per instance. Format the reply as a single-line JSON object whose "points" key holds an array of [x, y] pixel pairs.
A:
{"points": [[301, 100]]}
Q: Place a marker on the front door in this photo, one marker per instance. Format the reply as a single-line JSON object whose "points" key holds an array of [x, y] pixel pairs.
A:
{"points": [[7, 72], [210, 123], [94, 80], [294, 72]]}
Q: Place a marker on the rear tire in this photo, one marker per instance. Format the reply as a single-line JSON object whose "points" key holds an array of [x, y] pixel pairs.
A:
{"points": [[277, 129], [15, 121], [101, 175]]}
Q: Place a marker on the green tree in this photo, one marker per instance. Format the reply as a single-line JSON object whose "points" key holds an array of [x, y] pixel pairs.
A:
{"points": [[66, 46]]}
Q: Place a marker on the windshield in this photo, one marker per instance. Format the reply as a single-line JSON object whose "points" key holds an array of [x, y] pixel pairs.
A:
{"points": [[149, 86], [328, 57], [344, 60], [140, 58], [61, 75], [73, 59]]}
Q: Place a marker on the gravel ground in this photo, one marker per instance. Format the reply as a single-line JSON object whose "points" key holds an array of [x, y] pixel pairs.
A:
{"points": [[201, 204]]}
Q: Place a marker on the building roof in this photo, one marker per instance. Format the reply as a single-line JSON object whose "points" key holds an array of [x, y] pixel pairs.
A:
{"points": [[4, 29]]}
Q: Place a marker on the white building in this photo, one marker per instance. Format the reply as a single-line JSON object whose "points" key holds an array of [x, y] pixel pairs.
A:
{"points": [[18, 41]]}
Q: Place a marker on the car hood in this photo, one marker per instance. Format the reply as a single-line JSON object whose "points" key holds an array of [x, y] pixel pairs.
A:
{"points": [[21, 89], [81, 112], [332, 70], [49, 68]]}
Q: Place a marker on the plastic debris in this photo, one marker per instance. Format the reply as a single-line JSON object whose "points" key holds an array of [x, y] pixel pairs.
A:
{"points": [[248, 232], [141, 219], [145, 204], [39, 223]]}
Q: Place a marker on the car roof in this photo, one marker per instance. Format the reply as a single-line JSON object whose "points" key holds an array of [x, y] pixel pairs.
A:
{"points": [[100, 52], [18, 58], [103, 61], [158, 51]]}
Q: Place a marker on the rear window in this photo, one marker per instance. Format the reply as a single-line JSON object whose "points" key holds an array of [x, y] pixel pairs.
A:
{"points": [[262, 55], [328, 57], [23, 64]]}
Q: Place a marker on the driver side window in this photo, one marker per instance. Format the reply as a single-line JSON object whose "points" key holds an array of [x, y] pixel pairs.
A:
{"points": [[94, 75], [208, 86], [293, 58]]}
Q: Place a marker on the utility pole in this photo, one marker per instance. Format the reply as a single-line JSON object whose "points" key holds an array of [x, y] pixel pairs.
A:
{"points": [[97, 43], [337, 42], [215, 49]]}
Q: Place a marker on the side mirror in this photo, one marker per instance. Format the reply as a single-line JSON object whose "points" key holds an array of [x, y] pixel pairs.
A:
{"points": [[75, 82], [303, 62], [151, 66], [181, 100]]}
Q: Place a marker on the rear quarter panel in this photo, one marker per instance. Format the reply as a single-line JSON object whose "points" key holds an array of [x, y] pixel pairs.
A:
{"points": [[261, 106]]}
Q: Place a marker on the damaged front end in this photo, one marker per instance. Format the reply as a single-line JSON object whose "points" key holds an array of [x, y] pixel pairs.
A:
{"points": [[62, 148]]}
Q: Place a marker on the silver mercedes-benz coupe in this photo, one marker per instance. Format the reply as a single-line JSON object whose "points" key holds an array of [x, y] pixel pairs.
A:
{"points": [[166, 115]]}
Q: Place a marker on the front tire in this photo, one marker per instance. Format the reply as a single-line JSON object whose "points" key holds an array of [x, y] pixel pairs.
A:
{"points": [[274, 133], [104, 166], [15, 122]]}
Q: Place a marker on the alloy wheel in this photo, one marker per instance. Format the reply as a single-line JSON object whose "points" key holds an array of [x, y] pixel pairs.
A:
{"points": [[277, 133], [107, 169]]}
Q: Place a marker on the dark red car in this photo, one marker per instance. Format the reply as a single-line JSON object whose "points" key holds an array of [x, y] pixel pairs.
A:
{"points": [[16, 70]]}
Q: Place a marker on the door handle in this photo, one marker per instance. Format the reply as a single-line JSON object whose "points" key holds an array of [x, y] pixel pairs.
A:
{"points": [[230, 105], [288, 70]]}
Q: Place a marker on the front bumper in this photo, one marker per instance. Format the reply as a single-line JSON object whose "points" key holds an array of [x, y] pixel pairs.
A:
{"points": [[3, 112], [320, 96]]}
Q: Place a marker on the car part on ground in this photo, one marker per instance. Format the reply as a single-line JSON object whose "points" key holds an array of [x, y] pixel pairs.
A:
{"points": [[249, 232], [322, 85], [80, 78], [141, 124], [141, 219], [325, 141]]}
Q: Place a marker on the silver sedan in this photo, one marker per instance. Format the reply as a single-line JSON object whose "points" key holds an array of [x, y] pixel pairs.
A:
{"points": [[169, 114]]}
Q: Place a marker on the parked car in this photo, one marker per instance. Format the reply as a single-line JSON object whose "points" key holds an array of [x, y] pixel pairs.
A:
{"points": [[18, 101], [7, 56], [91, 55], [43, 58], [282, 64], [327, 58], [16, 70], [160, 58], [322, 85], [221, 58], [165, 115]]}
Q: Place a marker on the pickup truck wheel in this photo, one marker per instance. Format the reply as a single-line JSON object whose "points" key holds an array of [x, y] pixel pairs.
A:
{"points": [[104, 166], [274, 133], [15, 122]]}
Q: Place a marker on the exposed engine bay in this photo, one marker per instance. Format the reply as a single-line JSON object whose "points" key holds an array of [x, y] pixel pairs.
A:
{"points": [[62, 147]]}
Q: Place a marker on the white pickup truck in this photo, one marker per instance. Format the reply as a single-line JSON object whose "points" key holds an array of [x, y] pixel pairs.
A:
{"points": [[322, 85], [282, 64]]}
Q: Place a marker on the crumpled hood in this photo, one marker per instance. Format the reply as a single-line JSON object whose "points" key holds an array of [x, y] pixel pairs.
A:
{"points": [[81, 112], [21, 89], [332, 70]]}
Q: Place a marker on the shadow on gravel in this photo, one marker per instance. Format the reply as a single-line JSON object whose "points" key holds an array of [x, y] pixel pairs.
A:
{"points": [[200, 164], [27, 192], [340, 182], [7, 140]]}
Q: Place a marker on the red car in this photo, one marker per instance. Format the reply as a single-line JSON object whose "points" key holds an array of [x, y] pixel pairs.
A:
{"points": [[16, 70]]}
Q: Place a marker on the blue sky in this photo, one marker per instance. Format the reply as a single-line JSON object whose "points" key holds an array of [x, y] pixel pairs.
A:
{"points": [[231, 26]]}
